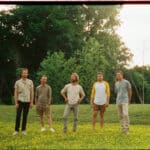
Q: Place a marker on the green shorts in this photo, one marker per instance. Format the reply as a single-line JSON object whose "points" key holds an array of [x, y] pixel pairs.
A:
{"points": [[43, 109]]}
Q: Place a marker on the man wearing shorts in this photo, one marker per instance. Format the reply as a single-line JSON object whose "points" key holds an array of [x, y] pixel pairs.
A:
{"points": [[99, 99], [43, 100], [73, 94]]}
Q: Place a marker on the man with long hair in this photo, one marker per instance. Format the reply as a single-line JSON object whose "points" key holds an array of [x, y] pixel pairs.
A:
{"points": [[73, 94]]}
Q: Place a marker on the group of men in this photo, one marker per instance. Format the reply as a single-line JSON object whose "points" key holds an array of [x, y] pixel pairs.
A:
{"points": [[73, 94]]}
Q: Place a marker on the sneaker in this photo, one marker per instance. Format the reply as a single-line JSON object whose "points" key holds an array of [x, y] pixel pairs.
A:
{"points": [[24, 132], [127, 133], [64, 131], [15, 133], [43, 129], [52, 130]]}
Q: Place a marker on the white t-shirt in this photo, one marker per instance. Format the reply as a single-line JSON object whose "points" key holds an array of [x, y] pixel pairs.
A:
{"points": [[73, 92], [100, 94]]}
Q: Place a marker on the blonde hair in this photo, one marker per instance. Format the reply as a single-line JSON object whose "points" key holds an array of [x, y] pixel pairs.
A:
{"points": [[76, 75], [24, 69]]}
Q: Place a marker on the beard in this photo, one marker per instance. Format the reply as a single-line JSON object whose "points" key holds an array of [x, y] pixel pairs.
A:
{"points": [[73, 80], [24, 76]]}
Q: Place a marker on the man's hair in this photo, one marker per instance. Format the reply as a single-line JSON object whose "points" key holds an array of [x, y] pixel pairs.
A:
{"points": [[76, 75], [24, 69], [119, 71], [100, 73], [44, 76]]}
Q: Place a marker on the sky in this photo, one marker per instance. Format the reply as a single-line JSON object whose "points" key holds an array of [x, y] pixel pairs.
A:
{"points": [[134, 30]]}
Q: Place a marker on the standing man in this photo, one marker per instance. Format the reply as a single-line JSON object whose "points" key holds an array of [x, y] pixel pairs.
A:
{"points": [[23, 95], [99, 99], [43, 100], [124, 92], [73, 94]]}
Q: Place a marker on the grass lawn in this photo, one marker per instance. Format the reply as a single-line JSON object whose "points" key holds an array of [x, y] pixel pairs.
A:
{"points": [[85, 138]]}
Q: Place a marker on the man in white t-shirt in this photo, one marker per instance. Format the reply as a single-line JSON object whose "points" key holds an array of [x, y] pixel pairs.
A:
{"points": [[99, 98], [73, 94]]}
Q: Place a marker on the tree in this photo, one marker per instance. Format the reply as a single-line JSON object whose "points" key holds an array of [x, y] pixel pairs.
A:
{"points": [[85, 35], [28, 32], [139, 77], [58, 70]]}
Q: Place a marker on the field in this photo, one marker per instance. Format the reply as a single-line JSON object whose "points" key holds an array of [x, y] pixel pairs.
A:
{"points": [[85, 138]]}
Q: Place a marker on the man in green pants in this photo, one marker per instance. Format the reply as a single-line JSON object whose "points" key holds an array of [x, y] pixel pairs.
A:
{"points": [[73, 94]]}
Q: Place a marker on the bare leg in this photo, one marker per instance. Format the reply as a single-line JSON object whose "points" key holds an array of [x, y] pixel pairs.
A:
{"points": [[49, 120], [94, 118], [101, 119], [42, 121]]}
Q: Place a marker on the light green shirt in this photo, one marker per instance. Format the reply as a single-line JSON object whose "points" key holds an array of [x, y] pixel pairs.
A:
{"points": [[121, 88]]}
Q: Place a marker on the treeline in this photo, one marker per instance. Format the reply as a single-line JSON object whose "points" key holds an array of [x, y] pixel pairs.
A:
{"points": [[59, 39]]}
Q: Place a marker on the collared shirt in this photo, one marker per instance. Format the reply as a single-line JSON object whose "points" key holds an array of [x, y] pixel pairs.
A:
{"points": [[24, 89], [73, 92], [121, 88], [43, 94], [100, 92]]}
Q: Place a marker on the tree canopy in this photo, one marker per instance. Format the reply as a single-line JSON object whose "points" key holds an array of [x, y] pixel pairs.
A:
{"points": [[57, 40]]}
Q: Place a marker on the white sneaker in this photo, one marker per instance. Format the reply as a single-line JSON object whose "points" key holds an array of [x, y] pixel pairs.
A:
{"points": [[15, 133], [43, 129], [52, 130], [24, 132]]}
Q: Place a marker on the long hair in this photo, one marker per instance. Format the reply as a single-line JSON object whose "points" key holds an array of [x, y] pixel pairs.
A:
{"points": [[76, 75]]}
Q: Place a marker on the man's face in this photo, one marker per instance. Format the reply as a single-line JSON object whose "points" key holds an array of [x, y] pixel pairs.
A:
{"points": [[73, 78], [100, 77], [119, 76], [43, 80], [24, 73]]}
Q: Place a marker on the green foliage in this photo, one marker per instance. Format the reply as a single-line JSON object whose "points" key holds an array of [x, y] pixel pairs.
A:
{"points": [[92, 61], [58, 70], [139, 77], [79, 38], [86, 62]]}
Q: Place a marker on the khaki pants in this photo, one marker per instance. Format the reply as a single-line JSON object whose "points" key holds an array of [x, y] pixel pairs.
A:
{"points": [[75, 109], [123, 116]]}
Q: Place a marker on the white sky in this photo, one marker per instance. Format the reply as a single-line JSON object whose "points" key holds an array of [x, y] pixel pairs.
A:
{"points": [[134, 30]]}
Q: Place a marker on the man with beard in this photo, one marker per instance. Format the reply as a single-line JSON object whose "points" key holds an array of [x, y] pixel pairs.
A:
{"points": [[99, 99], [23, 96], [73, 94]]}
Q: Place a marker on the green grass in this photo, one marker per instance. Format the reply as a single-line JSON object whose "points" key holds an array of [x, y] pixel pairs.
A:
{"points": [[85, 138]]}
